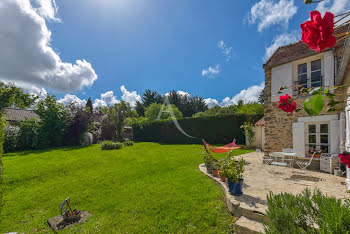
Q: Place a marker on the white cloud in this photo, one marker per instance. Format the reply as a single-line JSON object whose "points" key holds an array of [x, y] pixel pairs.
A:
{"points": [[130, 97], [27, 58], [211, 102], [211, 71], [278, 41], [47, 9], [182, 93], [107, 99], [68, 99], [334, 6], [250, 94], [225, 49], [269, 12]]}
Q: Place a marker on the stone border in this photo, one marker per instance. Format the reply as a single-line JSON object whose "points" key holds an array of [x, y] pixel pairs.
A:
{"points": [[236, 207]]}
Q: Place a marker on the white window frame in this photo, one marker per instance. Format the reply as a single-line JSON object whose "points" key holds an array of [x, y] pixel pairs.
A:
{"points": [[318, 136], [308, 69]]}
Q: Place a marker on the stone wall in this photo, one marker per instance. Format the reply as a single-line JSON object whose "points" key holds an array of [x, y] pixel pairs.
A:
{"points": [[278, 124]]}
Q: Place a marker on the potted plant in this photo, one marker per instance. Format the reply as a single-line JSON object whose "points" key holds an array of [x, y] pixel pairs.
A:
{"points": [[233, 171], [216, 167], [317, 152], [209, 163]]}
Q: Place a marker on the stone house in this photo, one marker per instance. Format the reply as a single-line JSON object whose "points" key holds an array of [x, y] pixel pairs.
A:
{"points": [[295, 64], [15, 116]]}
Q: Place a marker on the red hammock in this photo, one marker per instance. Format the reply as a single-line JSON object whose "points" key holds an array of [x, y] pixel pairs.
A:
{"points": [[221, 149]]}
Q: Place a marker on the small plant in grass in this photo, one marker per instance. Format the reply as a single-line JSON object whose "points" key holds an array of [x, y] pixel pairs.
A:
{"points": [[110, 145], [303, 212], [128, 143]]}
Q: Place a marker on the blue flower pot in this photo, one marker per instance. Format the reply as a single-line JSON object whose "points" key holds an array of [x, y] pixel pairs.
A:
{"points": [[209, 168], [235, 188]]}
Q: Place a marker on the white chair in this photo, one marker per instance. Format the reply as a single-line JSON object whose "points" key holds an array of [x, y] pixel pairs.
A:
{"points": [[303, 165], [265, 161], [290, 159], [280, 156]]}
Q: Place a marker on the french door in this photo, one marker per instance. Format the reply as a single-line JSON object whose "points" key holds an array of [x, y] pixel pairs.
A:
{"points": [[317, 137]]}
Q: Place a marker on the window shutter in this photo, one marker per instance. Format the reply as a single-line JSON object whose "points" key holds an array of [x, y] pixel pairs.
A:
{"points": [[299, 139]]}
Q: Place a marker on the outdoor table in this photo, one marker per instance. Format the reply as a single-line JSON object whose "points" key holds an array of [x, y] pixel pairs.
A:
{"points": [[280, 160]]}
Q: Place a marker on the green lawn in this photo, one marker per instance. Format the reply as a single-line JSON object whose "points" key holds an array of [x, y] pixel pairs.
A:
{"points": [[147, 187]]}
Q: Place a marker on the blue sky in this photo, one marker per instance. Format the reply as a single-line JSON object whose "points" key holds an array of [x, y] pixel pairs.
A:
{"points": [[213, 48]]}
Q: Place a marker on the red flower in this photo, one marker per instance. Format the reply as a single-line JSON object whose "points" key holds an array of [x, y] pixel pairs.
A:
{"points": [[318, 32], [287, 104]]}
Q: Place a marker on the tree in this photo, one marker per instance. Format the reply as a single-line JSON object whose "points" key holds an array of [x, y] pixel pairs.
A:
{"points": [[112, 124], [250, 108], [10, 95], [89, 105], [261, 98], [148, 97], [53, 124], [154, 109], [78, 122]]}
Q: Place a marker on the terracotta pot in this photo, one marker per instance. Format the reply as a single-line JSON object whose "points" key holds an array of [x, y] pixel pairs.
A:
{"points": [[317, 155], [223, 179], [216, 172]]}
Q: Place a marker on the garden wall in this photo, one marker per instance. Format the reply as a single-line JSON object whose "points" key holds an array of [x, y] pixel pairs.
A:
{"points": [[214, 129]]}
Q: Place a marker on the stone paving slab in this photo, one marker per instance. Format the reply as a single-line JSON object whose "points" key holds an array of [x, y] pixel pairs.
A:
{"points": [[258, 181], [58, 224]]}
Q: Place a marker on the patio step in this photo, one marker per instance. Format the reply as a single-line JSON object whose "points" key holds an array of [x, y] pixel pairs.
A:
{"points": [[247, 226]]}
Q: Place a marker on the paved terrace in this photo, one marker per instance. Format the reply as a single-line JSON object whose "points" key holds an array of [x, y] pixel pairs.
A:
{"points": [[251, 207]]}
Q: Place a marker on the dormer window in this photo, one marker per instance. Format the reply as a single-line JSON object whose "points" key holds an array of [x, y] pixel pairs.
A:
{"points": [[302, 74]]}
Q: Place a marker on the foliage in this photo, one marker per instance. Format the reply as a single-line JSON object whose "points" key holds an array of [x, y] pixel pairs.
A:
{"points": [[207, 158], [220, 129], [135, 120], [2, 138], [95, 130], [148, 97], [128, 143], [10, 95], [249, 131], [89, 105], [173, 193], [53, 124], [152, 112], [240, 108], [297, 213], [187, 105], [110, 145], [114, 119], [250, 108], [11, 138], [232, 169], [261, 98], [29, 134], [78, 122]]}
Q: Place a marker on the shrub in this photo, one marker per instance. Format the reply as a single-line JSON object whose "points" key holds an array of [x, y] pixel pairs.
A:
{"points": [[128, 143], [110, 145], [28, 137], [11, 138], [220, 129], [290, 213]]}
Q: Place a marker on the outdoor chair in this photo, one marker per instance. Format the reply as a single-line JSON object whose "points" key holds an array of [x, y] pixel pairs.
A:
{"points": [[280, 156], [264, 161], [290, 159], [303, 165]]}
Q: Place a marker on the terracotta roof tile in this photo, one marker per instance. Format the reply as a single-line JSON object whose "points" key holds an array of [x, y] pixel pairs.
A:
{"points": [[261, 122]]}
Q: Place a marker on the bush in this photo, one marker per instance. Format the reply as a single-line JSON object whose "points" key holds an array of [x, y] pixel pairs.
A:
{"points": [[220, 129], [11, 138], [290, 213], [110, 145], [28, 137], [128, 143]]}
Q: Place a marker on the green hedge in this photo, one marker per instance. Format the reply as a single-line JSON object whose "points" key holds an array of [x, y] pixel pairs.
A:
{"points": [[214, 129]]}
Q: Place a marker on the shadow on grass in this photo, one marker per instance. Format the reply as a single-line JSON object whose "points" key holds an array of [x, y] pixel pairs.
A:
{"points": [[40, 151]]}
